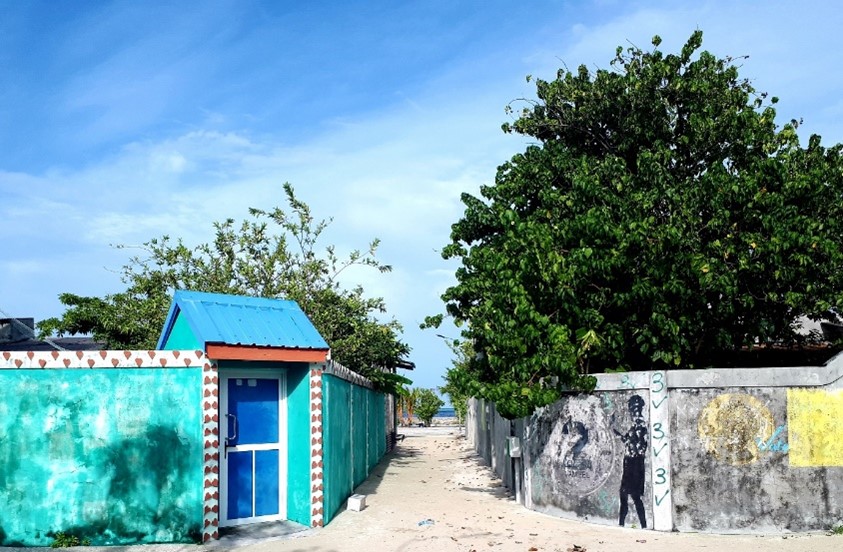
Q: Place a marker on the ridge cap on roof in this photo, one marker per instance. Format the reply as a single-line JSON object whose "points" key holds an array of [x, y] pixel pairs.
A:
{"points": [[231, 299]]}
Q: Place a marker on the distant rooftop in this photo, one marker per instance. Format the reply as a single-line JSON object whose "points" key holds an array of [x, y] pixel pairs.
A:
{"points": [[18, 334]]}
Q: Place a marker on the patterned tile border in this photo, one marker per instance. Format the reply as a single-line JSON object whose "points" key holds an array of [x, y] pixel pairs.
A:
{"points": [[211, 452], [48, 360], [317, 490]]}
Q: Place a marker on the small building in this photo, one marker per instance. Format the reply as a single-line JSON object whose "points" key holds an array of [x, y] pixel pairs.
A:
{"points": [[267, 355]]}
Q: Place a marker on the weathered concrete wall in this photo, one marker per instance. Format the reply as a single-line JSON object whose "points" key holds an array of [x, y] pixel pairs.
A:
{"points": [[757, 459], [488, 431], [720, 450], [501, 462], [586, 452], [114, 455]]}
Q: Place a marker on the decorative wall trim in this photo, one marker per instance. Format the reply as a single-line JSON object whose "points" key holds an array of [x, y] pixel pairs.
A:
{"points": [[265, 354], [317, 482], [38, 360], [211, 451]]}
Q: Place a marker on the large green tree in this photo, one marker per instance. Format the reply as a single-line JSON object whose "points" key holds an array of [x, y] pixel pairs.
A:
{"points": [[270, 254], [661, 219]]}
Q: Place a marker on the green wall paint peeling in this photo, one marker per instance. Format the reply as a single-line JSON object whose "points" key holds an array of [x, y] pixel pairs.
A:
{"points": [[112, 455]]}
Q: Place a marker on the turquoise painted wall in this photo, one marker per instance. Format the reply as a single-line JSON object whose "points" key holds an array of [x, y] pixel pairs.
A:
{"points": [[377, 433], [298, 467], [336, 448], [360, 431], [181, 337], [298, 431], [354, 437], [111, 455]]}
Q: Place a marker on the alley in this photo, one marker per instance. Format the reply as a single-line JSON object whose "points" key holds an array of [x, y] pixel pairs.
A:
{"points": [[433, 494]]}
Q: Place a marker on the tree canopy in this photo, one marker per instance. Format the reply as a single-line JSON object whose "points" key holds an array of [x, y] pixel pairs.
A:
{"points": [[660, 219], [270, 254]]}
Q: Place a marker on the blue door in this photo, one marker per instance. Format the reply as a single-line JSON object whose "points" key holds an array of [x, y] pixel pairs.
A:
{"points": [[254, 430]]}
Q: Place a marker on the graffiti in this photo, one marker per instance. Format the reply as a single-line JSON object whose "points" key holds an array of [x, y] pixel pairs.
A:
{"points": [[590, 453], [774, 443], [582, 448], [635, 448], [660, 461], [608, 404], [574, 460], [815, 434], [731, 425]]}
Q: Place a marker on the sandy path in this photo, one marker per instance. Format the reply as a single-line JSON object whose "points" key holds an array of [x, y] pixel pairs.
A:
{"points": [[436, 476]]}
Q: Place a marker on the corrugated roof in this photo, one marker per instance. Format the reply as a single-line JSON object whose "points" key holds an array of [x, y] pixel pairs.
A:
{"points": [[238, 320]]}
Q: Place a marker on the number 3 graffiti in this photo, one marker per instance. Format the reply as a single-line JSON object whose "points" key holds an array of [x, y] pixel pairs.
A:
{"points": [[659, 427]]}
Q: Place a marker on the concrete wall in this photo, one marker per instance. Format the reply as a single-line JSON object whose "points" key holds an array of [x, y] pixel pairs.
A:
{"points": [[354, 428], [576, 452], [109, 453], [722, 450], [489, 433], [298, 439]]}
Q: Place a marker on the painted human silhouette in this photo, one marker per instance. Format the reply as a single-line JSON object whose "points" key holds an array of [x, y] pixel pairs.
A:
{"points": [[635, 447]]}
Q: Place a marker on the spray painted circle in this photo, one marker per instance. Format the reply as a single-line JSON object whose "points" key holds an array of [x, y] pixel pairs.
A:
{"points": [[731, 425], [583, 448]]}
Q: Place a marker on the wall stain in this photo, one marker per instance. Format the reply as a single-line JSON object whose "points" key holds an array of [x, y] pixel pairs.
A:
{"points": [[731, 425], [114, 456]]}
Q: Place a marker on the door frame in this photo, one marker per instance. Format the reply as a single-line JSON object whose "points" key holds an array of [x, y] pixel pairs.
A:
{"points": [[227, 374]]}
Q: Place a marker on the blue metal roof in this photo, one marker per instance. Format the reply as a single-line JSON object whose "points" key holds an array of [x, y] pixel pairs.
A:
{"points": [[237, 320]]}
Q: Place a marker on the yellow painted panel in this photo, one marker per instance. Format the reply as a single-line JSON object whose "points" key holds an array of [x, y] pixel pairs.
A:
{"points": [[815, 427]]}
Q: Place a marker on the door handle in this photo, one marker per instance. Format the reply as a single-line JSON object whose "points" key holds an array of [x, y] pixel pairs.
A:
{"points": [[233, 437]]}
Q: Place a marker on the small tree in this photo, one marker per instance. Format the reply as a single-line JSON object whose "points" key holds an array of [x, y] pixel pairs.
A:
{"points": [[273, 253], [408, 398], [428, 404]]}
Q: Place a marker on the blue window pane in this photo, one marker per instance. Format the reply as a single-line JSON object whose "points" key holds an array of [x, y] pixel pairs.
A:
{"points": [[266, 482], [239, 485], [255, 404]]}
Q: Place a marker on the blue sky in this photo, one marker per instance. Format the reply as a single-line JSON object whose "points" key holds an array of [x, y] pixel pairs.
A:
{"points": [[123, 121]]}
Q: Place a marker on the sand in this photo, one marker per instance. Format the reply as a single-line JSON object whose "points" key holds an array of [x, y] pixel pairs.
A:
{"points": [[434, 475]]}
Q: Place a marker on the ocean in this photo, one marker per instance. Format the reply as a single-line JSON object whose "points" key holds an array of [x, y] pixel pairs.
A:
{"points": [[446, 413]]}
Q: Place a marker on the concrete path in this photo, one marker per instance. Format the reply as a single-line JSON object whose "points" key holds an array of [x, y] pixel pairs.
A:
{"points": [[433, 494]]}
